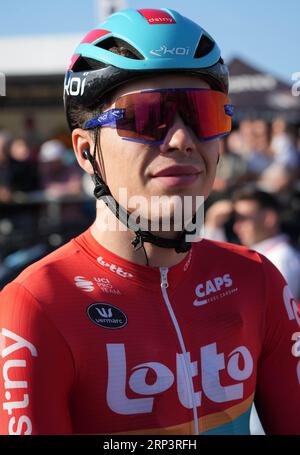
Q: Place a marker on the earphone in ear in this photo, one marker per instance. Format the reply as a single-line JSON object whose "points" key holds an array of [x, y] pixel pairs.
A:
{"points": [[86, 154]]}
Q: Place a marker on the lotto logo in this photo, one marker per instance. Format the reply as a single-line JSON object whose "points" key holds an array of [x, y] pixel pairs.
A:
{"points": [[113, 268], [237, 365]]}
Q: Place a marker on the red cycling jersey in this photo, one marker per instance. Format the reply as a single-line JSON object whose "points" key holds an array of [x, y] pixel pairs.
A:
{"points": [[92, 343]]}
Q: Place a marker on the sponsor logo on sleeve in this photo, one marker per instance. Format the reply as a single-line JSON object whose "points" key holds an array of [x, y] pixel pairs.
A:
{"points": [[291, 305], [293, 313], [13, 368]]}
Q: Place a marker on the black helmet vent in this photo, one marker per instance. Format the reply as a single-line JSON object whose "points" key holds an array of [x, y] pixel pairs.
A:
{"points": [[204, 47], [121, 47], [87, 64]]}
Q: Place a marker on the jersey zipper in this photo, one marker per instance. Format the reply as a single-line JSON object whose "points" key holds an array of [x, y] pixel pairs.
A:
{"points": [[187, 367]]}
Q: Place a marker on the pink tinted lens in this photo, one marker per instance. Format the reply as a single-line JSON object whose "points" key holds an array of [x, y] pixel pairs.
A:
{"points": [[150, 114], [204, 111], [146, 117]]}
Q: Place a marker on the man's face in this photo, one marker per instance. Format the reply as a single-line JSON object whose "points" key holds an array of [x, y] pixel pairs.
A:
{"points": [[134, 165], [249, 223]]}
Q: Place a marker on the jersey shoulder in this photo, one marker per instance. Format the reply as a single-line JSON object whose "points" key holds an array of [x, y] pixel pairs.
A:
{"points": [[54, 261], [231, 250], [240, 257]]}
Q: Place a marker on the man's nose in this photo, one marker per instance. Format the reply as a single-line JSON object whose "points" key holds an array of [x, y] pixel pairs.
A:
{"points": [[179, 137]]}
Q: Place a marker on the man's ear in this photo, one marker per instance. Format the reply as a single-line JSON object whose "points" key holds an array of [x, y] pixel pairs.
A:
{"points": [[82, 145]]}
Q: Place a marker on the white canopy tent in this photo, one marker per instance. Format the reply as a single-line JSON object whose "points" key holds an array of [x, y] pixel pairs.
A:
{"points": [[39, 54], [34, 67], [47, 54]]}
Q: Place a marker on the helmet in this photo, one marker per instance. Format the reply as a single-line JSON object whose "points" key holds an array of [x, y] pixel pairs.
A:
{"points": [[159, 40]]}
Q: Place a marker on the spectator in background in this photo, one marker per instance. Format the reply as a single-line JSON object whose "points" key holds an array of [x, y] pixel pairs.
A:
{"points": [[245, 132], [282, 145], [285, 167], [232, 167], [58, 179], [23, 173], [32, 135], [5, 193], [257, 225], [259, 157]]}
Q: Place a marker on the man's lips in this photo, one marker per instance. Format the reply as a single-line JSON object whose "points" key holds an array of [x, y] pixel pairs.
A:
{"points": [[177, 175], [176, 170]]}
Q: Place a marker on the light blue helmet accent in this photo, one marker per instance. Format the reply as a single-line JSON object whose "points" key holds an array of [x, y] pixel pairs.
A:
{"points": [[163, 46]]}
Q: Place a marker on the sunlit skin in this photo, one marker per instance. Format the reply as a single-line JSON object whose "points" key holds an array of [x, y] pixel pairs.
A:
{"points": [[133, 165]]}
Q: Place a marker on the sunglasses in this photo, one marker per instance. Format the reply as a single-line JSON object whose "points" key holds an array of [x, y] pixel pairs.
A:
{"points": [[147, 116]]}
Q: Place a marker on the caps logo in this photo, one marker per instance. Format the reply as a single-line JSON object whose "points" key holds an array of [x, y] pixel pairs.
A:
{"points": [[214, 289]]}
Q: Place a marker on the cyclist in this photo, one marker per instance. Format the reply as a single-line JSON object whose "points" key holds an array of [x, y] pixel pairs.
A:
{"points": [[137, 331]]}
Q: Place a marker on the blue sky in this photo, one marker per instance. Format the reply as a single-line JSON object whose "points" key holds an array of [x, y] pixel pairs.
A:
{"points": [[266, 32]]}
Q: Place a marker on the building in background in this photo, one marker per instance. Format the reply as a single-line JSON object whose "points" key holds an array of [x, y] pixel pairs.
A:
{"points": [[34, 67], [258, 94]]}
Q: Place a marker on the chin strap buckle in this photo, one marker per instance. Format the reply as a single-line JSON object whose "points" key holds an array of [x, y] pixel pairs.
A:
{"points": [[138, 241], [182, 246], [101, 189]]}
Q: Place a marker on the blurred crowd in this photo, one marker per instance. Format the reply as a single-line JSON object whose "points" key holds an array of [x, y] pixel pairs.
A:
{"points": [[45, 199], [42, 188], [25, 170], [256, 197], [268, 155]]}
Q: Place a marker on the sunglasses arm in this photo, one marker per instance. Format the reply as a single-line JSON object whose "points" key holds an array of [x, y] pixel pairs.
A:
{"points": [[107, 118]]}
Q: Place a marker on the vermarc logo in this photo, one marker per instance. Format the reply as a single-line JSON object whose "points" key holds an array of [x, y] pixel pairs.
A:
{"points": [[107, 316]]}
